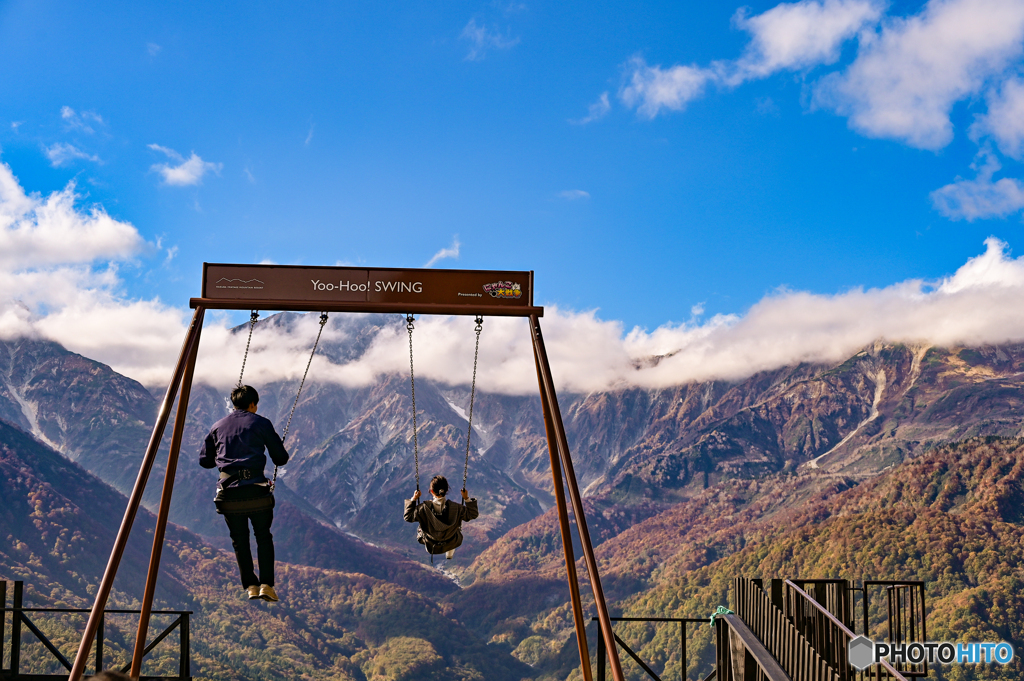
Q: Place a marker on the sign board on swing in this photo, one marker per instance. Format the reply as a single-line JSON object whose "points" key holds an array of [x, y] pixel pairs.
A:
{"points": [[367, 289]]}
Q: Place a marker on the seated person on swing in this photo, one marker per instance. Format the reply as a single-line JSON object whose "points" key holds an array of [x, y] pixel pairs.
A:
{"points": [[235, 445], [440, 520]]}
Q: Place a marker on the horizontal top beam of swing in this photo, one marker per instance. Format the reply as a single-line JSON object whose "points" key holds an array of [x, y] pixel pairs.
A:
{"points": [[397, 308], [367, 289]]}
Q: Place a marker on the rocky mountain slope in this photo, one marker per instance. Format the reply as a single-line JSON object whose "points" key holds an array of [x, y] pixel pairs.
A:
{"points": [[59, 521], [644, 448], [679, 481]]}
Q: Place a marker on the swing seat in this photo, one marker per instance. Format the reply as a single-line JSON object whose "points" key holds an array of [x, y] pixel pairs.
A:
{"points": [[241, 500], [436, 549]]}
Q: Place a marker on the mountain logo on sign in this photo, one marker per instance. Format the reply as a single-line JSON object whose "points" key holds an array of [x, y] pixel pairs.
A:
{"points": [[224, 282], [504, 289]]}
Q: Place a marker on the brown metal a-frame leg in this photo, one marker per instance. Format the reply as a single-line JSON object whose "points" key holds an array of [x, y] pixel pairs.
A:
{"points": [[135, 500], [165, 509], [553, 423], [563, 520]]}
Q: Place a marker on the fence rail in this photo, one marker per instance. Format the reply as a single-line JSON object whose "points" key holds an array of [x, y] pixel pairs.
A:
{"points": [[783, 639], [20, 618], [829, 636], [906, 617], [741, 655], [683, 622]]}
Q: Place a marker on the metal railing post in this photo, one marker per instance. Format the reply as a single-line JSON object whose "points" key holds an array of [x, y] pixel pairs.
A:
{"points": [[3, 620], [100, 633], [16, 628], [600, 655], [185, 664], [682, 649]]}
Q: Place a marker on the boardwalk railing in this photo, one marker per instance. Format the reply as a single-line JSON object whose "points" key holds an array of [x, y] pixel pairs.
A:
{"points": [[741, 655], [683, 622], [20, 618], [783, 639], [906, 617], [829, 636]]}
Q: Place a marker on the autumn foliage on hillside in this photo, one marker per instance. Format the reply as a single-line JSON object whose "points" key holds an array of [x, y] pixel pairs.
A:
{"points": [[952, 517]]}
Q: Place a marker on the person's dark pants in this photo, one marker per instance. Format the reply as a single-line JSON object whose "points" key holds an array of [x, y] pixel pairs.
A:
{"points": [[238, 527]]}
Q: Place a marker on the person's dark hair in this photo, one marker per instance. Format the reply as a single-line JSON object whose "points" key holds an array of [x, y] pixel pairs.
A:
{"points": [[111, 676], [243, 396], [439, 486]]}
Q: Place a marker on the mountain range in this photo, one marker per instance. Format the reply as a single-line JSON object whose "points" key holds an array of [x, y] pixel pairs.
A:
{"points": [[686, 487]]}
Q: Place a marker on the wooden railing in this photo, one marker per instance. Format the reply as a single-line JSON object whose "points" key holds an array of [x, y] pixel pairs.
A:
{"points": [[20, 618]]}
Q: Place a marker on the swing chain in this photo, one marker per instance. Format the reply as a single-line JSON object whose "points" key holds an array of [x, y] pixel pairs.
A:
{"points": [[323, 321], [472, 396], [253, 316], [409, 319]]}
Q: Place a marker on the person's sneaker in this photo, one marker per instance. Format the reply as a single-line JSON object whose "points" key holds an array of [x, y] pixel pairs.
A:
{"points": [[450, 554], [253, 591], [267, 593]]}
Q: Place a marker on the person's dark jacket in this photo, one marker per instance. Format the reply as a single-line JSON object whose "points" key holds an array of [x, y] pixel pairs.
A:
{"points": [[440, 532], [236, 445]]}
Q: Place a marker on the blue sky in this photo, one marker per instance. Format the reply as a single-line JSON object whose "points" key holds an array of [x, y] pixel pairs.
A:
{"points": [[643, 158]]}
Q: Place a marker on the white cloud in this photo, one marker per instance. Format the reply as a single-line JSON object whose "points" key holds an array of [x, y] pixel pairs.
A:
{"points": [[1004, 121], [907, 77], [82, 122], [573, 194], [445, 253], [481, 39], [153, 49], [595, 111], [61, 154], [981, 197], [189, 171], [60, 281], [652, 88], [795, 36], [790, 36], [309, 136], [38, 233]]}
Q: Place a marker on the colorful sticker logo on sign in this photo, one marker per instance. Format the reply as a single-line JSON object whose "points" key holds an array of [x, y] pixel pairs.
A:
{"points": [[504, 289]]}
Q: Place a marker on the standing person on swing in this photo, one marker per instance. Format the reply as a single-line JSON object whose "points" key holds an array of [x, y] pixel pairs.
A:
{"points": [[440, 520], [236, 446]]}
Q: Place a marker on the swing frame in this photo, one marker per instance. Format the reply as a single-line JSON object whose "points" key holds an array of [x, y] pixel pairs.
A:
{"points": [[365, 290]]}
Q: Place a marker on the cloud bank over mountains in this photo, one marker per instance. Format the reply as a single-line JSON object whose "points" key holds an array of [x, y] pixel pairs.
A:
{"points": [[59, 280], [907, 75]]}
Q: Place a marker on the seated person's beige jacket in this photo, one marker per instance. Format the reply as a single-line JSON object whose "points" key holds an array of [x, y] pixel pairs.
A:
{"points": [[438, 536]]}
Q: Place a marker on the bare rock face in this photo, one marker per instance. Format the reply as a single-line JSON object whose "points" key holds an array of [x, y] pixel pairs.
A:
{"points": [[82, 408]]}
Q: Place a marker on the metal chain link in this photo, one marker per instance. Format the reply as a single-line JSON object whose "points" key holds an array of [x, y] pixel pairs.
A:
{"points": [[472, 397], [409, 319], [323, 321], [253, 316]]}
